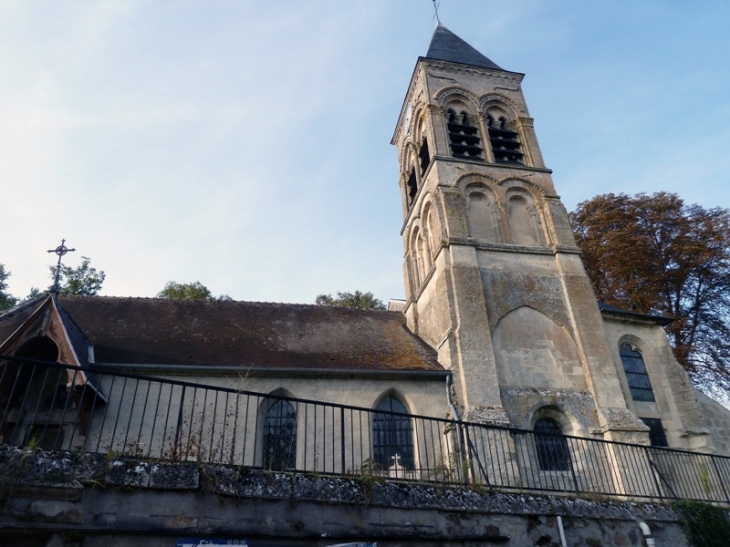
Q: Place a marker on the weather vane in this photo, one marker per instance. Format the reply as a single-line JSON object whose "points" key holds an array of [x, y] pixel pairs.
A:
{"points": [[436, 5], [60, 251]]}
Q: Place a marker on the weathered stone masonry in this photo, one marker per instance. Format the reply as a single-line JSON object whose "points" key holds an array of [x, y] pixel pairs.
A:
{"points": [[91, 499]]}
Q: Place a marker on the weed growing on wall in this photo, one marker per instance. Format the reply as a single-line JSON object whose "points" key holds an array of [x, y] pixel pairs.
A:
{"points": [[704, 524]]}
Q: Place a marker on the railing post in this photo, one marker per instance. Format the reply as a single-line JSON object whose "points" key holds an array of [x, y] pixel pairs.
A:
{"points": [[342, 439], [179, 424]]}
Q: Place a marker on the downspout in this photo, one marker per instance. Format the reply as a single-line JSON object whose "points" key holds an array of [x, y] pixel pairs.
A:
{"points": [[647, 534], [562, 532], [454, 412], [457, 418]]}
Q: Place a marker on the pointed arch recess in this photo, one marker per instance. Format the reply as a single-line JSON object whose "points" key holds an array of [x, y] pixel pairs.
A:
{"points": [[532, 350]]}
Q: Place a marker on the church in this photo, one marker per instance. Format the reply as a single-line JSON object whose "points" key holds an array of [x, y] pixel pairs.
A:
{"points": [[499, 328]]}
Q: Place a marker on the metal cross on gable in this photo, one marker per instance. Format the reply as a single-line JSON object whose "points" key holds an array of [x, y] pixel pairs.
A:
{"points": [[61, 250]]}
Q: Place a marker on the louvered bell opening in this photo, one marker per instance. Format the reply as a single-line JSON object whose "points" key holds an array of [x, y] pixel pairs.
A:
{"points": [[464, 141], [424, 156], [411, 187], [505, 145]]}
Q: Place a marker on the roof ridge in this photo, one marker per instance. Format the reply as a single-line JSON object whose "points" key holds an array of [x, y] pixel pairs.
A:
{"points": [[220, 302]]}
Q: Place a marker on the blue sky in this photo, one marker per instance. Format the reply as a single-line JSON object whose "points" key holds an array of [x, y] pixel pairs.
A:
{"points": [[246, 144]]}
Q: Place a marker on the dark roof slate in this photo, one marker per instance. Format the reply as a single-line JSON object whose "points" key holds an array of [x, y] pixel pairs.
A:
{"points": [[447, 46], [246, 334]]}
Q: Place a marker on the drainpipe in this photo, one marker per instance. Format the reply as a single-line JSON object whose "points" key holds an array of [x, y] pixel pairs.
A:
{"points": [[647, 533], [454, 412], [457, 418], [562, 532]]}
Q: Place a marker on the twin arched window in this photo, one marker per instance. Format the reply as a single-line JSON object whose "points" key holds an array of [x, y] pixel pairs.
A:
{"points": [[464, 137], [392, 436]]}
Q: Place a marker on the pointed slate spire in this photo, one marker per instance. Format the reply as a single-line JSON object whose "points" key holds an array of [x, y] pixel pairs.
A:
{"points": [[447, 46]]}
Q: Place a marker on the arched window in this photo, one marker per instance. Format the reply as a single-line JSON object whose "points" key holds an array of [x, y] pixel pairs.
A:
{"points": [[463, 135], [392, 435], [523, 221], [411, 187], [424, 155], [482, 216], [416, 259], [280, 436], [434, 235], [551, 445], [636, 374]]}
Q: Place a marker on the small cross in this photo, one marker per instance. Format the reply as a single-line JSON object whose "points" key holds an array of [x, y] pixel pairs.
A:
{"points": [[436, 5], [60, 251]]}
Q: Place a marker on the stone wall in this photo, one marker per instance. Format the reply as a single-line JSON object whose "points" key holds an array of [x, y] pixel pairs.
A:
{"points": [[70, 499], [716, 419]]}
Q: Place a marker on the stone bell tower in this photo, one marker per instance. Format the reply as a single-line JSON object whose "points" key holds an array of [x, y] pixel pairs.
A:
{"points": [[494, 280]]}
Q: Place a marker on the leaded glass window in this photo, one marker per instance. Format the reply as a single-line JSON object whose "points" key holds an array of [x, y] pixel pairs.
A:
{"points": [[392, 435], [280, 436], [636, 375], [553, 453]]}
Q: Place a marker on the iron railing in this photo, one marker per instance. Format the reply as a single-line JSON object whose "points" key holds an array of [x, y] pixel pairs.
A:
{"points": [[53, 406]]}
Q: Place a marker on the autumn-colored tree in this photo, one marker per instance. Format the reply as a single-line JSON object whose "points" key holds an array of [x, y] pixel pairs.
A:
{"points": [[653, 254], [358, 300]]}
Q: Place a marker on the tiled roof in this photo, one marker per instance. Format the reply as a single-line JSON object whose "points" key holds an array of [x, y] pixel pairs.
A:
{"points": [[447, 46], [247, 334]]}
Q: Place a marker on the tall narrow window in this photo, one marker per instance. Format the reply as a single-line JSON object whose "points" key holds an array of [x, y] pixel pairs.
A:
{"points": [[411, 186], [636, 375], [463, 136], [482, 217], [392, 435], [553, 453], [424, 156], [505, 142], [657, 435], [523, 221], [280, 437]]}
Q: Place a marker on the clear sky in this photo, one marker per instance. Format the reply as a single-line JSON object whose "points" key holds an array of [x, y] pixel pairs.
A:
{"points": [[245, 144]]}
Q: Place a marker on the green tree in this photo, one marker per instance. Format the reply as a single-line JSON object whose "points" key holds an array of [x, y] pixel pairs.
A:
{"points": [[358, 300], [6, 299], [80, 281], [185, 291], [34, 291], [656, 255]]}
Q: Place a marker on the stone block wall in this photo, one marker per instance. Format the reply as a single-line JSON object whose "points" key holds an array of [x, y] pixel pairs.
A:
{"points": [[65, 499]]}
